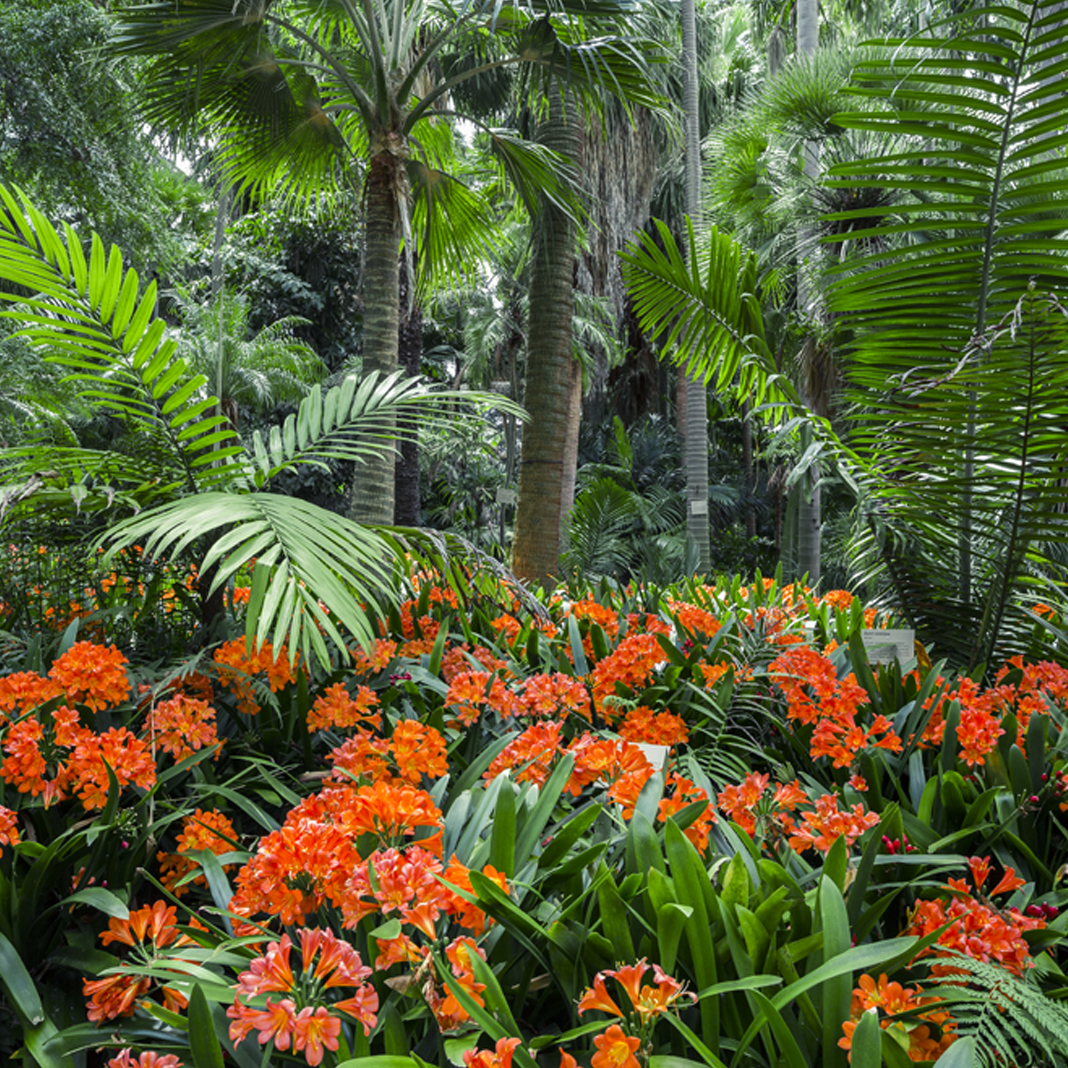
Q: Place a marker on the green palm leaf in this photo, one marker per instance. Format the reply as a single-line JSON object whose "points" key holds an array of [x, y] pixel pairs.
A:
{"points": [[706, 313], [94, 322], [956, 365], [304, 555]]}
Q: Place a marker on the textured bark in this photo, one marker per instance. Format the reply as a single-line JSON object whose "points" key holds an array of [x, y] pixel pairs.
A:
{"points": [[410, 355], [619, 164], [750, 473], [696, 394], [536, 545], [372, 490], [569, 468]]}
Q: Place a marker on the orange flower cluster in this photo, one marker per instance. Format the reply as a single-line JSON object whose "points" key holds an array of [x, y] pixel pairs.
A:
{"points": [[889, 1000], [764, 816], [980, 930], [471, 691], [148, 1059], [458, 660], [642, 724], [237, 665], [695, 620], [9, 828], [304, 1016], [555, 695], [832, 706], [500, 1057], [147, 931], [630, 664], [414, 884], [532, 755], [617, 1045], [203, 830], [378, 659], [646, 1002], [92, 675], [181, 725], [983, 710], [59, 757], [312, 858], [604, 617], [417, 750], [23, 691], [338, 708]]}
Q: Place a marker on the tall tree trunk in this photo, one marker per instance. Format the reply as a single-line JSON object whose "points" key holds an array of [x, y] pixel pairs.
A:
{"points": [[809, 511], [696, 394], [539, 514], [410, 355], [372, 486], [569, 468], [750, 472]]}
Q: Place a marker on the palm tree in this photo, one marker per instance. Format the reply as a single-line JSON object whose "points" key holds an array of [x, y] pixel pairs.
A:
{"points": [[192, 485], [254, 373], [305, 96]]}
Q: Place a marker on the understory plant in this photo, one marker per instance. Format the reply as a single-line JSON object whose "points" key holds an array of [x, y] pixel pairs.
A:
{"points": [[656, 827]]}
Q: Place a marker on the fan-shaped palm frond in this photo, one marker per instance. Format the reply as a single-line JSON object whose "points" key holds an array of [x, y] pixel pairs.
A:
{"points": [[958, 361]]}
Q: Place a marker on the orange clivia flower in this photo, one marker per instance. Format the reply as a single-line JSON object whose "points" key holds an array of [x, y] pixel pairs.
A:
{"points": [[338, 708], [92, 675], [615, 1049], [156, 923], [315, 1030], [9, 827], [181, 725], [148, 1059], [203, 830], [500, 1057], [889, 1000], [597, 997]]}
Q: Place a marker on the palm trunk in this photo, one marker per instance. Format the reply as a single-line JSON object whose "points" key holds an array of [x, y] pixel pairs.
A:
{"points": [[539, 514], [809, 513], [750, 472], [410, 344], [569, 470], [695, 396], [372, 488]]}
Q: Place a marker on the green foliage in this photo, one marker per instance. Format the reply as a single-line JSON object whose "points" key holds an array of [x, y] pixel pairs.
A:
{"points": [[187, 462], [949, 330], [1010, 1018], [68, 130]]}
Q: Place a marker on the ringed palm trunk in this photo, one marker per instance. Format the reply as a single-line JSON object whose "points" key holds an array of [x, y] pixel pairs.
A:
{"points": [[540, 511], [809, 510], [410, 353], [373, 481], [694, 394]]}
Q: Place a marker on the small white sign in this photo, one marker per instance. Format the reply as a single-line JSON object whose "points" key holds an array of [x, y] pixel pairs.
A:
{"points": [[655, 754], [698, 507], [883, 646], [505, 496]]}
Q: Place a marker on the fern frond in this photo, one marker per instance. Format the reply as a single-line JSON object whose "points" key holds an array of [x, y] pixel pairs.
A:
{"points": [[1011, 1019]]}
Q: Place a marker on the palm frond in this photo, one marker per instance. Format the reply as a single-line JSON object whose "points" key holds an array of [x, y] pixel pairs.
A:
{"points": [[93, 321], [708, 315], [1011, 1020], [952, 338], [303, 555]]}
